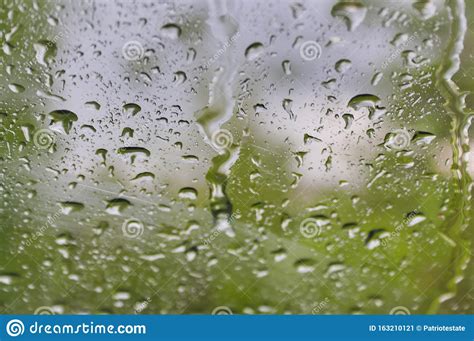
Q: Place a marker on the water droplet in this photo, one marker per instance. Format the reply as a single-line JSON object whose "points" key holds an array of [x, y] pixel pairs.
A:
{"points": [[304, 265], [415, 218], [191, 254], [16, 88], [371, 102], [425, 8], [374, 237], [191, 55], [376, 78], [287, 104], [335, 267], [8, 278], [343, 65], [279, 255], [170, 31], [307, 138], [254, 51], [179, 78], [352, 12], [188, 193], [286, 67], [121, 295], [348, 118], [116, 206], [131, 109], [144, 176], [127, 131], [62, 120], [423, 137], [133, 150], [297, 10], [92, 105], [45, 51], [69, 207]]}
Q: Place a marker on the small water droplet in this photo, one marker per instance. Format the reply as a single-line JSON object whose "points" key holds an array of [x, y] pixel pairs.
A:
{"points": [[170, 31], [287, 104], [343, 65], [286, 67], [131, 109], [254, 51], [188, 193], [16, 88], [179, 78], [92, 105], [116, 206], [304, 265], [69, 207]]}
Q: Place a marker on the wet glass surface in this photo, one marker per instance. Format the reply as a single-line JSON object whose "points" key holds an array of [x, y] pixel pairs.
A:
{"points": [[235, 157]]}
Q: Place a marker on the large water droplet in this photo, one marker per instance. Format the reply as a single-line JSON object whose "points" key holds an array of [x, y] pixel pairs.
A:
{"points": [[63, 120], [254, 51], [353, 12]]}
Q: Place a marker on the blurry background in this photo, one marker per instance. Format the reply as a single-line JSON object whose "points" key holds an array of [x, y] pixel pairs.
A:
{"points": [[235, 156]]}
